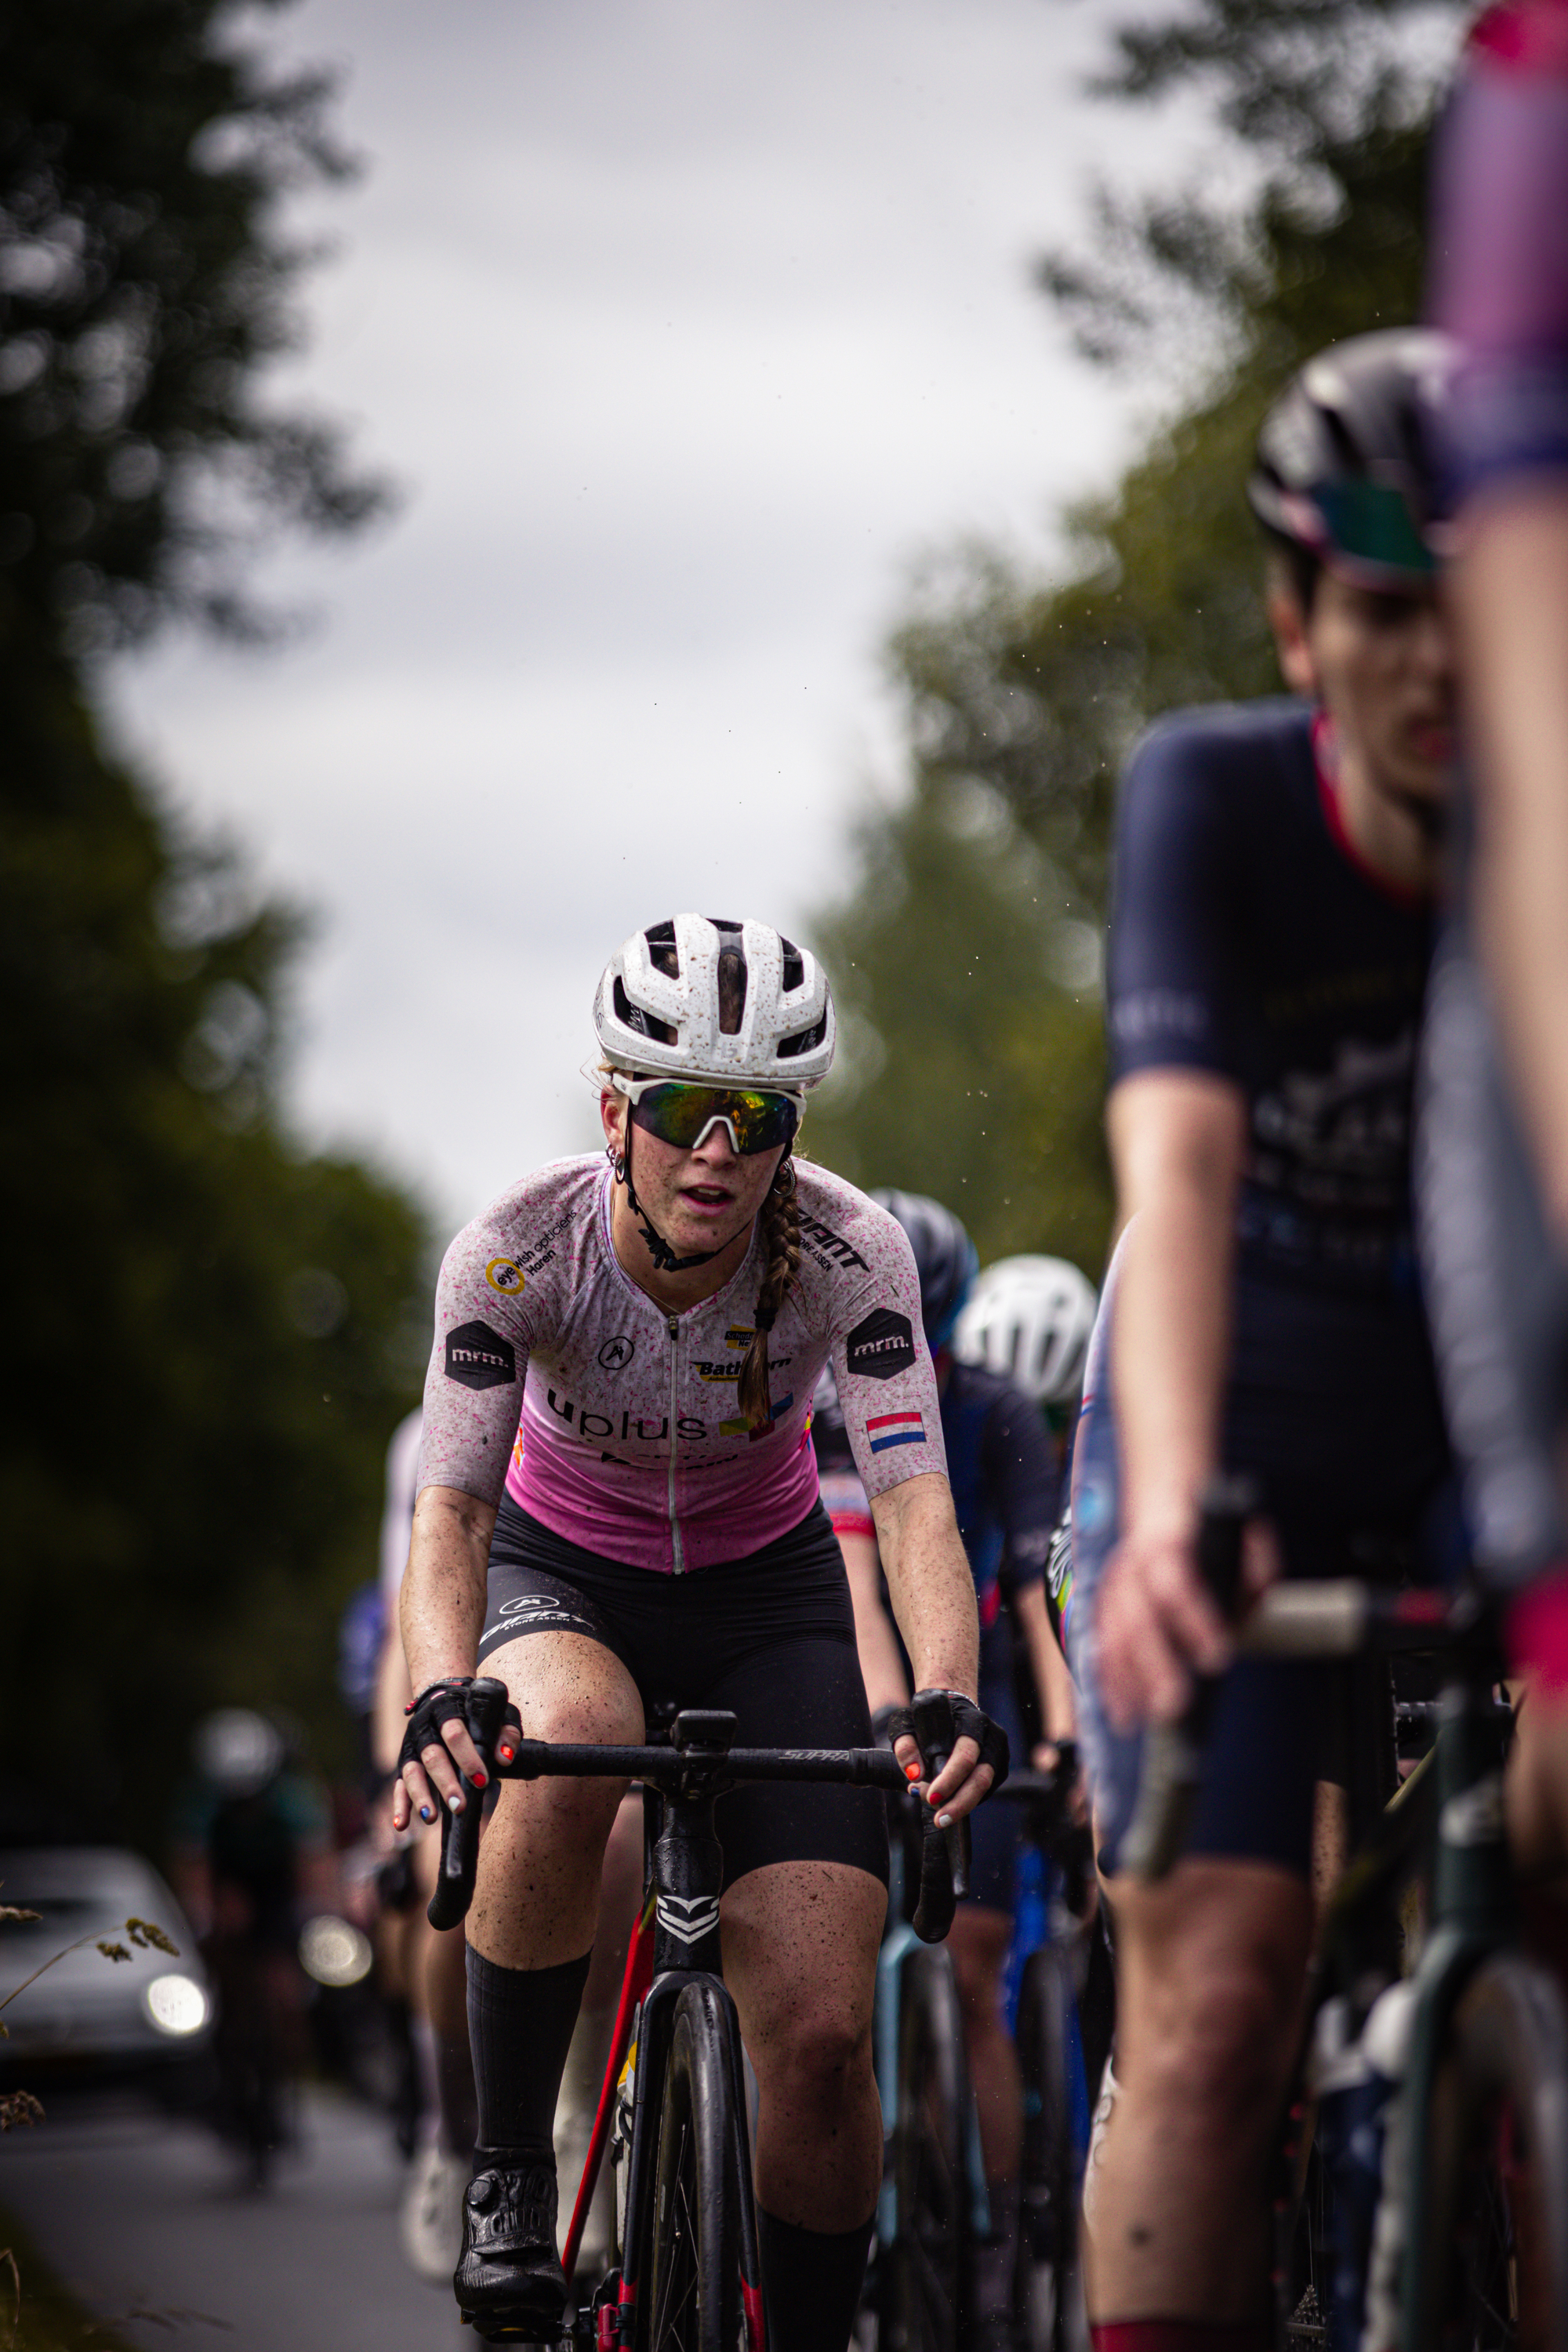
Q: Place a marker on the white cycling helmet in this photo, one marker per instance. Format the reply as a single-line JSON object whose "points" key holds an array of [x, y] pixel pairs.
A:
{"points": [[1028, 1319], [658, 1011], [238, 1750]]}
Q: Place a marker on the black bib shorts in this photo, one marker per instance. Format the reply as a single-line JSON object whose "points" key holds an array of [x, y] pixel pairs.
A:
{"points": [[771, 1637]]}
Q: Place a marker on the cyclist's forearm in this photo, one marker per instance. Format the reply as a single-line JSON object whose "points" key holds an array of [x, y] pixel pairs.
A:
{"points": [[1052, 1680], [1177, 1149], [443, 1600], [881, 1668], [929, 1583], [1511, 587]]}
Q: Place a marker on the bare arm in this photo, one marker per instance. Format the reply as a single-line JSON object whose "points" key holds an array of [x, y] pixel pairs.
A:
{"points": [[881, 1668], [1511, 594], [1052, 1680], [1178, 1141], [442, 1608], [933, 1592]]}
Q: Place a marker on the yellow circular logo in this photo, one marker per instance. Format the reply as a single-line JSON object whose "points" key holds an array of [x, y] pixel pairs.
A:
{"points": [[505, 1275]]}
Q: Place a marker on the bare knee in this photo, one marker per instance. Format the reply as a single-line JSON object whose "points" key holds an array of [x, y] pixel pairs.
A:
{"points": [[817, 2052], [1207, 2033]]}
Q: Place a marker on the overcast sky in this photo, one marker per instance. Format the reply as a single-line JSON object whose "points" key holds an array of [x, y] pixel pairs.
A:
{"points": [[685, 325]]}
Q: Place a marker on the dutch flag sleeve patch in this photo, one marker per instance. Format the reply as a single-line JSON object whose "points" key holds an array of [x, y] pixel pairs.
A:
{"points": [[895, 1429]]}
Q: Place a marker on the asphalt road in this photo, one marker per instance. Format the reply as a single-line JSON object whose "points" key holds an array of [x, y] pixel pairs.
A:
{"points": [[138, 2211]]}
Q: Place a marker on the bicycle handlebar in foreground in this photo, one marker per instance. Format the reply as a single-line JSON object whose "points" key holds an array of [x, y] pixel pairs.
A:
{"points": [[699, 1757], [1337, 1617]]}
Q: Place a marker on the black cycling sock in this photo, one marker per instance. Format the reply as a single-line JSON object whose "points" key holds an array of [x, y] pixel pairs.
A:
{"points": [[457, 2105], [811, 2283], [519, 2024]]}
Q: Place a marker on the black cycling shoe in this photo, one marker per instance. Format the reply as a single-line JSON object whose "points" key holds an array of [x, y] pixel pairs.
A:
{"points": [[509, 2281]]}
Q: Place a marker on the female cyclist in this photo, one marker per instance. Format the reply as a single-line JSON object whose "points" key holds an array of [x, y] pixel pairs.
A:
{"points": [[652, 1531]]}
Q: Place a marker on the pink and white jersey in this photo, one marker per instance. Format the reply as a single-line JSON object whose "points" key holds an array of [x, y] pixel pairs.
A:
{"points": [[631, 1441]]}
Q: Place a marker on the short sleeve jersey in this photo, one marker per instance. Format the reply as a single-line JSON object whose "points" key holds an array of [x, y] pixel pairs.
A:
{"points": [[616, 1423], [1247, 939], [1000, 1464]]}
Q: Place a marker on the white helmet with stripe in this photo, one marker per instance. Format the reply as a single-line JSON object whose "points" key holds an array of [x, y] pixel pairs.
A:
{"points": [[660, 1010]]}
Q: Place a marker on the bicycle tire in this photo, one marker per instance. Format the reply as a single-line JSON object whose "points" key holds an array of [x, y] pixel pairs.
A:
{"points": [[931, 2262], [1046, 2282], [693, 2268], [1496, 2221]]}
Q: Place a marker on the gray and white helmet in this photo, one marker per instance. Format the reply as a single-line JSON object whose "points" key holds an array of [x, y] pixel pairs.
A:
{"points": [[1028, 1319], [658, 1009]]}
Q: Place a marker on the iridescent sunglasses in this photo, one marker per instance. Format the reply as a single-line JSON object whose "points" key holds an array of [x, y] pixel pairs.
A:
{"points": [[757, 1119]]}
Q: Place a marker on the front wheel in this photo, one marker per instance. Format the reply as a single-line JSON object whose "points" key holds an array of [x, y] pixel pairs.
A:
{"points": [[1495, 2231], [929, 2262], [1048, 2295], [694, 2301]]}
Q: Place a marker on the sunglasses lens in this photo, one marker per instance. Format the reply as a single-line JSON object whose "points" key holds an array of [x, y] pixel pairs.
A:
{"points": [[678, 1115]]}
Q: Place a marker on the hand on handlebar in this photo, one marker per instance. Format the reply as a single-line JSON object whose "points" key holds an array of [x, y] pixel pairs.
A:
{"points": [[1158, 1623], [977, 1762], [440, 1761]]}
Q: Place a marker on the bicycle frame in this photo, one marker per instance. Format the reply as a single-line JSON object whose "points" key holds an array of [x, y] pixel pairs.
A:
{"points": [[676, 1945]]}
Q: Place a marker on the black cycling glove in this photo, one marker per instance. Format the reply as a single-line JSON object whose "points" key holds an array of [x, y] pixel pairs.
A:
{"points": [[437, 1706], [946, 1717]]}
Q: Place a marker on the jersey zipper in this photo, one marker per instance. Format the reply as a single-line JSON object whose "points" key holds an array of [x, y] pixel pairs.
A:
{"points": [[673, 1328]]}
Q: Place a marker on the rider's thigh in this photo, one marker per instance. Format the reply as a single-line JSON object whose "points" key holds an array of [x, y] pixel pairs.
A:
{"points": [[1210, 1966], [800, 1956], [549, 1835]]}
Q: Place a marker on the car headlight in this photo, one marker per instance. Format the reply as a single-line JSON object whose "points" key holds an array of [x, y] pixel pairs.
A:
{"points": [[176, 2004], [333, 1952]]}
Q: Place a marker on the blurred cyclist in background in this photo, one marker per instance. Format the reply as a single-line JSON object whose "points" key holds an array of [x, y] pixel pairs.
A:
{"points": [[1006, 1479], [253, 1858], [1029, 1321], [424, 1968]]}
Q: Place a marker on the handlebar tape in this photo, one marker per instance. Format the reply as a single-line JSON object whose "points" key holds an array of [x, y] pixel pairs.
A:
{"points": [[1173, 1752], [944, 1853], [484, 1710]]}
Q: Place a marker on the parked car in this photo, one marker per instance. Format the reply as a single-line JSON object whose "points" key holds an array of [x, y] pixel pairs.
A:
{"points": [[87, 2014]]}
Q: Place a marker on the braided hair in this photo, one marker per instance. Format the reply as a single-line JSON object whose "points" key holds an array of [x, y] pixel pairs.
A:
{"points": [[779, 1222]]}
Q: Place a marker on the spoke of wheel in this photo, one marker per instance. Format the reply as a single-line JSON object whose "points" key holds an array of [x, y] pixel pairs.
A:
{"points": [[663, 2316]]}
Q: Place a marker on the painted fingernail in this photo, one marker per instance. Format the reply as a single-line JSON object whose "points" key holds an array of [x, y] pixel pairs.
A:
{"points": [[944, 1821], [911, 1771], [425, 1814], [506, 1754], [478, 1780], [455, 1803]]}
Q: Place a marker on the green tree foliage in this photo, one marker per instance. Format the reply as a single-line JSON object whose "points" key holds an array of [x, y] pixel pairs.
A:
{"points": [[970, 1068], [1024, 695], [212, 1332], [143, 280]]}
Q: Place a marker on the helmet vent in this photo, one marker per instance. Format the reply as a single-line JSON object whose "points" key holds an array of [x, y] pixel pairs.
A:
{"points": [[731, 991], [643, 1023], [804, 1041]]}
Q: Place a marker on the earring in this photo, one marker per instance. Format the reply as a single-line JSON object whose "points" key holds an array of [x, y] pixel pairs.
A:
{"points": [[618, 1162]]}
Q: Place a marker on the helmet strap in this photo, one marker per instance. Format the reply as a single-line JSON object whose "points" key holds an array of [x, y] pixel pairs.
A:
{"points": [[664, 1258]]}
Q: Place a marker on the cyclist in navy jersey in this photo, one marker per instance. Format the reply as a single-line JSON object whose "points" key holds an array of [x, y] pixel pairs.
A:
{"points": [[1005, 1479], [1275, 865], [1495, 1121], [618, 1506]]}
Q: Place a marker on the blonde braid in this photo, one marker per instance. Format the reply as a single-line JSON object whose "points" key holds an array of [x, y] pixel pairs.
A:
{"points": [[781, 1248]]}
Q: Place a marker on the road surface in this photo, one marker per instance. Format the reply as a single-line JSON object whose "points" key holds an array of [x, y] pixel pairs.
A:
{"points": [[137, 2211]]}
